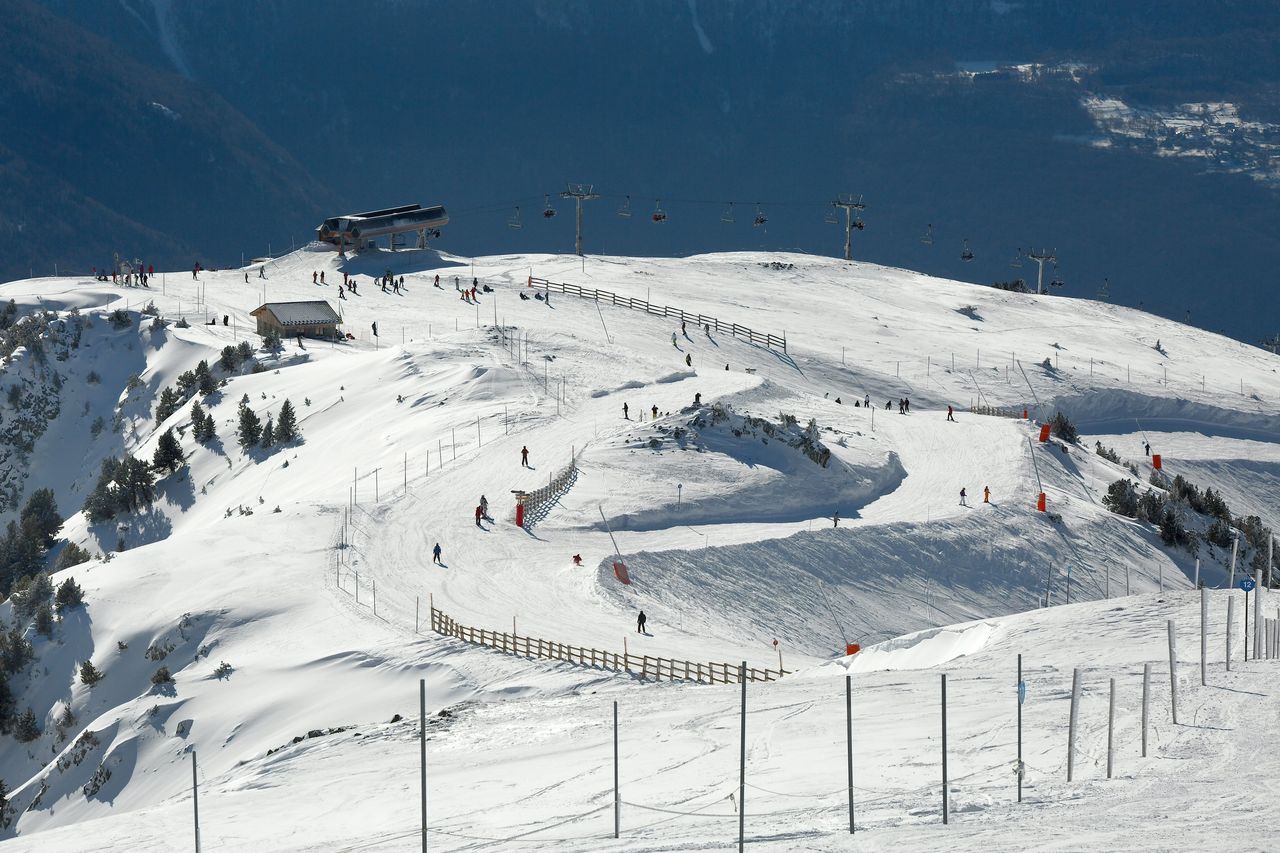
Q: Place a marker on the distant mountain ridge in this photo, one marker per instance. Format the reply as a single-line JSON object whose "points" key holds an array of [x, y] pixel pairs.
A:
{"points": [[486, 106]]}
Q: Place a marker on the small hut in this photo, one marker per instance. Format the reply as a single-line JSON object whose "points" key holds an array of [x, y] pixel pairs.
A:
{"points": [[314, 319]]}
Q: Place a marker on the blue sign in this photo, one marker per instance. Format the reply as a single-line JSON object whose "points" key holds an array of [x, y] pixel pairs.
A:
{"points": [[1246, 584], [1022, 692]]}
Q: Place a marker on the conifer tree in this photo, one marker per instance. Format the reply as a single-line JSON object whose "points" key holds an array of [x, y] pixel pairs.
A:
{"points": [[168, 455], [268, 434], [25, 728], [204, 379], [69, 595], [197, 422], [210, 430], [250, 429], [287, 425], [90, 674], [169, 402]]}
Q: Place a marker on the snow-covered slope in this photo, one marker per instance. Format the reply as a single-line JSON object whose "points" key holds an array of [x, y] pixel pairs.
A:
{"points": [[724, 520]]}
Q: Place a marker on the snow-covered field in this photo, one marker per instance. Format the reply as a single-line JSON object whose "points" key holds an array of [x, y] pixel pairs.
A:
{"points": [[730, 542]]}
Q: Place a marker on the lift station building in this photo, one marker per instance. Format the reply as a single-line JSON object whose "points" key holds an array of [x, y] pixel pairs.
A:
{"points": [[363, 230]]}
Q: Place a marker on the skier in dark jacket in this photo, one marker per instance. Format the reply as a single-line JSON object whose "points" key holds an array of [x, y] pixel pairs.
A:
{"points": [[435, 555], [524, 456], [640, 620]]}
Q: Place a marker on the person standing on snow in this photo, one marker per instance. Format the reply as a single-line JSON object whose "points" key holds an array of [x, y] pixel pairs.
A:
{"points": [[625, 412], [435, 555], [950, 414], [835, 518], [673, 341], [688, 360], [640, 620], [654, 410], [479, 515], [962, 498], [314, 276], [986, 494], [524, 457]]}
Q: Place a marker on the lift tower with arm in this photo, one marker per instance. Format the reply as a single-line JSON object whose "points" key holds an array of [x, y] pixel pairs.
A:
{"points": [[579, 193], [1040, 257], [849, 204]]}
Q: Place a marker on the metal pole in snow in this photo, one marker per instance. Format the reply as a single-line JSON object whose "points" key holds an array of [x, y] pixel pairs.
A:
{"points": [[1204, 637], [617, 802], [422, 753], [1111, 728], [946, 806], [417, 601], [1071, 726], [1231, 618], [742, 766], [1235, 544], [848, 734], [1146, 704], [1173, 676], [1021, 694], [1257, 614], [195, 799]]}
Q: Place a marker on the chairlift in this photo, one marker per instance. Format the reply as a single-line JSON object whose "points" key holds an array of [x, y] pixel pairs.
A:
{"points": [[966, 254], [659, 215], [548, 211], [727, 215], [830, 216], [858, 223], [514, 221], [927, 239], [625, 210], [1016, 263], [1056, 282], [760, 217]]}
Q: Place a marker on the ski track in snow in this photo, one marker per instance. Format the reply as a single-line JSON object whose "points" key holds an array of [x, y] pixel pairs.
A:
{"points": [[748, 556]]}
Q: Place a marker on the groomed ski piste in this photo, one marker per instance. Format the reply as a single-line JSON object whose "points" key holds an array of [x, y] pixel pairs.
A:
{"points": [[726, 528]]}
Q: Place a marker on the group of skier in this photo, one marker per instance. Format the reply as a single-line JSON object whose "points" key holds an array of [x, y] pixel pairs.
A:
{"points": [[626, 412]]}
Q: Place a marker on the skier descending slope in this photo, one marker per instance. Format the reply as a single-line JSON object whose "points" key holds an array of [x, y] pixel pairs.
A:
{"points": [[524, 457], [435, 555], [640, 621]]}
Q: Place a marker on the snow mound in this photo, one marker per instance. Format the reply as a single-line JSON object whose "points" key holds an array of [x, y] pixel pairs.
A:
{"points": [[923, 649]]}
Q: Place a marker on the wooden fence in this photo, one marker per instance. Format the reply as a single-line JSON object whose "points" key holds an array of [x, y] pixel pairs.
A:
{"points": [[999, 411], [539, 501], [646, 667], [744, 332]]}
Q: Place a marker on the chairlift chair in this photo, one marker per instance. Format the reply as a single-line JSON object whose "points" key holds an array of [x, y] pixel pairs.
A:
{"points": [[966, 254], [548, 211], [927, 239], [1016, 263], [760, 217], [727, 215], [830, 216], [659, 215], [1056, 282], [625, 210], [514, 221]]}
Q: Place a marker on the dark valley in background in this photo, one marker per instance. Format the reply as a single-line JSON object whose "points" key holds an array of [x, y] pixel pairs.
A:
{"points": [[1146, 148]]}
